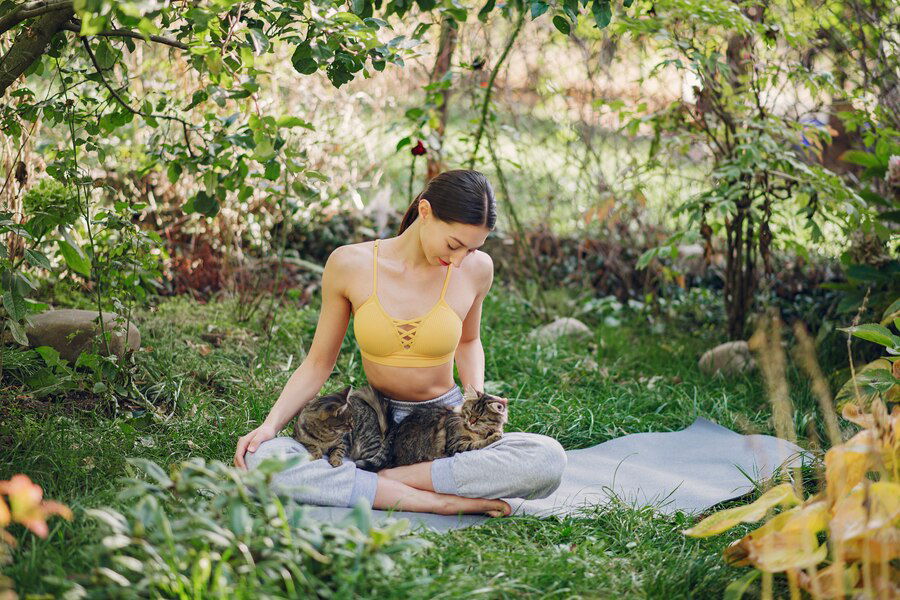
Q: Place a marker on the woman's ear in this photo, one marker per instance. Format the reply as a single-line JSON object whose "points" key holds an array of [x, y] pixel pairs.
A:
{"points": [[424, 208]]}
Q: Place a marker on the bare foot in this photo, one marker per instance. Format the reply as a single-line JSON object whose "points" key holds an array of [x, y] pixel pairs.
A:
{"points": [[455, 505]]}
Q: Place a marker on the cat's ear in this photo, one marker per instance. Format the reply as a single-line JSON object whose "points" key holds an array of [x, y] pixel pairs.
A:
{"points": [[471, 393], [345, 392]]}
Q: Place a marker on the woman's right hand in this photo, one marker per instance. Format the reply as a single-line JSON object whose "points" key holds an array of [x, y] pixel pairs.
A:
{"points": [[251, 441]]}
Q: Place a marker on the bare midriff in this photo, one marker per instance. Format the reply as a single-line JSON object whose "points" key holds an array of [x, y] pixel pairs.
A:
{"points": [[414, 384]]}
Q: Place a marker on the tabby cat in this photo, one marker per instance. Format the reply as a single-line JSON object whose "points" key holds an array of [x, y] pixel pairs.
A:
{"points": [[431, 432], [351, 423]]}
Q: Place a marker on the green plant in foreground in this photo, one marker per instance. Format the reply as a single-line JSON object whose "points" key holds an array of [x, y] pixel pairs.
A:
{"points": [[209, 530], [880, 377]]}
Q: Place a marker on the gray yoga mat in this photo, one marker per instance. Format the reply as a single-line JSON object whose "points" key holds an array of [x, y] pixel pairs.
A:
{"points": [[688, 470]]}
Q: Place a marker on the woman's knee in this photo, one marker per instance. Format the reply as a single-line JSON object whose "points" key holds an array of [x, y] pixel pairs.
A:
{"points": [[552, 458], [543, 459], [282, 447]]}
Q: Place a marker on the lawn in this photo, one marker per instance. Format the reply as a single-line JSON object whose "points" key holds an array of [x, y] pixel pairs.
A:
{"points": [[217, 378]]}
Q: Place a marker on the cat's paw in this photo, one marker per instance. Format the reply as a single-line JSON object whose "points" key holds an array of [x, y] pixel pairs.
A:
{"points": [[335, 461]]}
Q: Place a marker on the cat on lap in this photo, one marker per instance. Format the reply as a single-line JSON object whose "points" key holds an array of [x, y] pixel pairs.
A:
{"points": [[358, 425]]}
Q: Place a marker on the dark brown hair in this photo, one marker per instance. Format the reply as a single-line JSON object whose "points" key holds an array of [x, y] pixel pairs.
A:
{"points": [[458, 196]]}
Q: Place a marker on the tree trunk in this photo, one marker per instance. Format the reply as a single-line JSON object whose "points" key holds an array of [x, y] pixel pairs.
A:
{"points": [[31, 45], [442, 62]]}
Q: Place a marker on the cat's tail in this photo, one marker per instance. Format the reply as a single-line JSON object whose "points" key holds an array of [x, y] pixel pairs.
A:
{"points": [[382, 458]]}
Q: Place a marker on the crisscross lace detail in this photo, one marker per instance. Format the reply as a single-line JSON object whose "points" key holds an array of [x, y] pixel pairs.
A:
{"points": [[406, 335]]}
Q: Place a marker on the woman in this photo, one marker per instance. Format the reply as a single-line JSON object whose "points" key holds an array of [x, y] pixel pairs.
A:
{"points": [[408, 358]]}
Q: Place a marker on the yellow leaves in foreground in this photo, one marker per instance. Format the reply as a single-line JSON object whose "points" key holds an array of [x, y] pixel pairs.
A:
{"points": [[866, 511], [786, 541], [859, 513], [780, 495]]}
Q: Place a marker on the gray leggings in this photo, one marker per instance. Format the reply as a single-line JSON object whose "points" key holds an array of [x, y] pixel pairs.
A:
{"points": [[519, 465]]}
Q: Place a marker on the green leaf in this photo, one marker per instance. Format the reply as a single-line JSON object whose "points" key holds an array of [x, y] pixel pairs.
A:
{"points": [[538, 8], [205, 204], [38, 259], [458, 14], [264, 150], [562, 24], [646, 257], [14, 304], [486, 10], [173, 172], [737, 588], [153, 470], [303, 60], [890, 311], [858, 157], [874, 333], [602, 13], [288, 121], [273, 170], [889, 215], [873, 198], [18, 332], [259, 40], [51, 356], [75, 258], [105, 55], [239, 520], [866, 273]]}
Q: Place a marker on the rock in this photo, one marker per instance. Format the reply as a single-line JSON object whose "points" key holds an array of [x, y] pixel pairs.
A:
{"points": [[54, 328], [728, 359], [566, 326]]}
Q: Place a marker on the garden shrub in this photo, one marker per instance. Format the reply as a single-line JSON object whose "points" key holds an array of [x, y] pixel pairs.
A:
{"points": [[209, 530]]}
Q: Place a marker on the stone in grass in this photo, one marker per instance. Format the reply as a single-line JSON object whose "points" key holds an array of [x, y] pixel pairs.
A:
{"points": [[565, 326], [70, 332], [728, 359]]}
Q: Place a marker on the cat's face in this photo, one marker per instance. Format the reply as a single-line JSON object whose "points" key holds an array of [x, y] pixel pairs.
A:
{"points": [[484, 412]]}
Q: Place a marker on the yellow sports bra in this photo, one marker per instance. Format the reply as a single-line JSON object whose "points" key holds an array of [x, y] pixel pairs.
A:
{"points": [[431, 340]]}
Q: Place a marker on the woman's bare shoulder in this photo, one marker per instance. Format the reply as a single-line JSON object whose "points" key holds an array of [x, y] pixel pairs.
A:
{"points": [[350, 256], [479, 266]]}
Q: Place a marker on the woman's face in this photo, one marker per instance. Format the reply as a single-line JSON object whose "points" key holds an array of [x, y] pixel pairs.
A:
{"points": [[445, 242]]}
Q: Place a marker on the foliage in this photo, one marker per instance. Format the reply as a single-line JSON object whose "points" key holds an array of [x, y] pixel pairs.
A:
{"points": [[25, 505], [120, 261], [209, 530], [858, 515], [765, 185], [879, 379]]}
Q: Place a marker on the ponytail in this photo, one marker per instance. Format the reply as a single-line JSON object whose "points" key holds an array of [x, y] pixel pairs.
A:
{"points": [[459, 196]]}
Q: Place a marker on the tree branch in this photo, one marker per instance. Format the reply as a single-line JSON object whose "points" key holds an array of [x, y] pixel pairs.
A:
{"points": [[75, 27], [31, 44], [27, 10], [120, 100], [490, 85]]}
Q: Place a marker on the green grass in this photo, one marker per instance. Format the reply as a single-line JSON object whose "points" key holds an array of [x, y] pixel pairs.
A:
{"points": [[647, 380]]}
